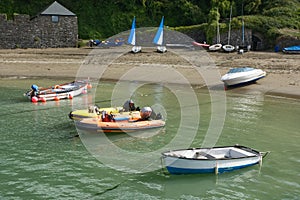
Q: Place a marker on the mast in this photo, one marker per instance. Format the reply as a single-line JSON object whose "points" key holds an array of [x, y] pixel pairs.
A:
{"points": [[243, 28], [229, 25], [218, 30]]}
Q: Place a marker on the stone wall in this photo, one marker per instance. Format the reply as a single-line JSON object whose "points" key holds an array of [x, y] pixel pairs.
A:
{"points": [[38, 32], [236, 38]]}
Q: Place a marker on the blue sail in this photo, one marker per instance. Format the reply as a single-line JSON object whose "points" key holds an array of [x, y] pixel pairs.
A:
{"points": [[131, 39], [158, 39]]}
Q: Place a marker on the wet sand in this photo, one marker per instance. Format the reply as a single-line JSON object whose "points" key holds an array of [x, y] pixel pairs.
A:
{"points": [[283, 70]]}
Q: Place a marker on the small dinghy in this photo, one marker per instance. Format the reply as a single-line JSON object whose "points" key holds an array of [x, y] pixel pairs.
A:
{"points": [[92, 124], [292, 49], [204, 45], [215, 47], [210, 160], [132, 39], [241, 75], [57, 92], [96, 112], [228, 48], [159, 38], [110, 123]]}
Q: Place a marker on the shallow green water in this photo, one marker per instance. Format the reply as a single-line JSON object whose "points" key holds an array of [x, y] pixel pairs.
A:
{"points": [[42, 157]]}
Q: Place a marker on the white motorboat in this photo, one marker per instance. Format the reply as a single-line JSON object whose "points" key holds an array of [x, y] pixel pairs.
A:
{"points": [[242, 75], [210, 160]]}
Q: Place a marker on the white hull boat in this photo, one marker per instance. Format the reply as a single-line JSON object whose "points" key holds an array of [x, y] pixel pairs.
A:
{"points": [[136, 49], [218, 45], [161, 49], [215, 47], [159, 38], [210, 160], [242, 75], [228, 48], [132, 39], [57, 92]]}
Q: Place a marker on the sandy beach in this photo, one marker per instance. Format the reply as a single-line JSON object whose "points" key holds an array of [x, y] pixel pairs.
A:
{"points": [[283, 70]]}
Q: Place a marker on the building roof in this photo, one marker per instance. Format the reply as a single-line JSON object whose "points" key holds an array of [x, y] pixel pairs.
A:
{"points": [[57, 9]]}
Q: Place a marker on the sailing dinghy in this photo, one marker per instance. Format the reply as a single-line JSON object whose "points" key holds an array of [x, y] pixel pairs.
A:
{"points": [[159, 37], [228, 47], [132, 39]]}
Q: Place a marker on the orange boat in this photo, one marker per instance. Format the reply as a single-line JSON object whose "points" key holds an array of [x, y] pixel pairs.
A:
{"points": [[108, 124], [120, 126]]}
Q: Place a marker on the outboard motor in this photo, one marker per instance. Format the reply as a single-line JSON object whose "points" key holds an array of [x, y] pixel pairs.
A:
{"points": [[145, 113]]}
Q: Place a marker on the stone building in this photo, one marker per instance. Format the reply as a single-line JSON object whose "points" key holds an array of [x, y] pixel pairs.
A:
{"points": [[56, 26]]}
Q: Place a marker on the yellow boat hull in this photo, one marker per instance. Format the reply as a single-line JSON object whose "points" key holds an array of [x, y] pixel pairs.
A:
{"points": [[115, 111]]}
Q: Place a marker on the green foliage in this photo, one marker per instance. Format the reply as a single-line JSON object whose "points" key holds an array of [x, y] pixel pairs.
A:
{"points": [[99, 19]]}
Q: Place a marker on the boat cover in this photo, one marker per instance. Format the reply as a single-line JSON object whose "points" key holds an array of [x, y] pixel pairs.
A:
{"points": [[292, 48]]}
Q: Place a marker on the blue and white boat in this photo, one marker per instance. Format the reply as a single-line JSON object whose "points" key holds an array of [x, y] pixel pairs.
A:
{"points": [[292, 49], [132, 38], [159, 38], [210, 160], [242, 75]]}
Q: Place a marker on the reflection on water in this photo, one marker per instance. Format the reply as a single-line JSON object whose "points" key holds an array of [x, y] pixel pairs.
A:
{"points": [[41, 157]]}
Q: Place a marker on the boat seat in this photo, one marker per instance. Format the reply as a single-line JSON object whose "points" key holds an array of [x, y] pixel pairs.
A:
{"points": [[208, 156]]}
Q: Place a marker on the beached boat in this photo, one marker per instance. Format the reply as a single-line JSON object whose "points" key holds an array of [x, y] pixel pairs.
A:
{"points": [[204, 45], [215, 47], [159, 37], [132, 39], [57, 92], [96, 112], [292, 49], [111, 43], [242, 75], [228, 47], [244, 47], [218, 45], [210, 160]]}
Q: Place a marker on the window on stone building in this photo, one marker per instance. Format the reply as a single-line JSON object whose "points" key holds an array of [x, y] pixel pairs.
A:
{"points": [[55, 18]]}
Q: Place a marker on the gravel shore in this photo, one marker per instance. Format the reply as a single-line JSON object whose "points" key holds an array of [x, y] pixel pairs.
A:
{"points": [[283, 70]]}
